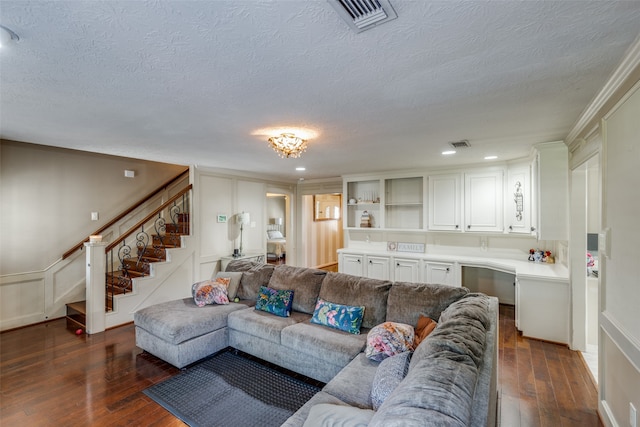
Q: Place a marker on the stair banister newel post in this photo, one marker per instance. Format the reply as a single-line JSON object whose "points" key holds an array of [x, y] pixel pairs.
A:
{"points": [[95, 289]]}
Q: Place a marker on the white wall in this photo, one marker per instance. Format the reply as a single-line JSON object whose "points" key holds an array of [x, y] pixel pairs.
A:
{"points": [[223, 192], [47, 195]]}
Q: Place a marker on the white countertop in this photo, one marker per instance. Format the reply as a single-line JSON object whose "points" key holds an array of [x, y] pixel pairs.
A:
{"points": [[521, 268]]}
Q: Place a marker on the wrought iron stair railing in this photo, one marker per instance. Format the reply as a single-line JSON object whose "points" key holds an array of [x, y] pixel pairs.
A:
{"points": [[131, 255]]}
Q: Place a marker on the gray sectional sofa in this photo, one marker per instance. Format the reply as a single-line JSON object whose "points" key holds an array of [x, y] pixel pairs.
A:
{"points": [[451, 377]]}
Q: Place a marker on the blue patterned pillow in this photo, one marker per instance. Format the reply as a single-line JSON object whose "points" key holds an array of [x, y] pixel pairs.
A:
{"points": [[274, 301], [347, 318]]}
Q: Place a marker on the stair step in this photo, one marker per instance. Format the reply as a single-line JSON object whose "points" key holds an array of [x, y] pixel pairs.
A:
{"points": [[77, 315], [153, 252], [134, 266], [169, 240], [179, 228]]}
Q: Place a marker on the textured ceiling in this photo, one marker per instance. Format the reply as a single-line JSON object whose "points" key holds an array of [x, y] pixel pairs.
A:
{"points": [[190, 82]]}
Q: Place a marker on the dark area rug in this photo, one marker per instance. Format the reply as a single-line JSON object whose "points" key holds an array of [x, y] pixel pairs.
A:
{"points": [[231, 390]]}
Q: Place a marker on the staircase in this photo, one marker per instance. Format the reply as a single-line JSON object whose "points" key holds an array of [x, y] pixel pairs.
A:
{"points": [[119, 278], [120, 281]]}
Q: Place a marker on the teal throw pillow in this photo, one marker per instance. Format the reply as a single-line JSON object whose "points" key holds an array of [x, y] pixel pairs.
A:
{"points": [[274, 301], [347, 318]]}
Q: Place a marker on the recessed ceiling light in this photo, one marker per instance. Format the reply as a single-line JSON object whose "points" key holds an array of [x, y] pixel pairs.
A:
{"points": [[448, 153], [301, 168], [490, 157]]}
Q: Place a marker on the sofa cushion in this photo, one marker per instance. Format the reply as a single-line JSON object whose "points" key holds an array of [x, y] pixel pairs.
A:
{"points": [[346, 318], [389, 374], [407, 301], [332, 345], [327, 414], [275, 301], [254, 275], [305, 282], [359, 291], [234, 282], [181, 320], [353, 383], [436, 389], [264, 325], [298, 419], [388, 339], [461, 332]]}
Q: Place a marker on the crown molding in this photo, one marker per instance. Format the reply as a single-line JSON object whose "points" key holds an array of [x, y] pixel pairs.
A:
{"points": [[629, 63]]}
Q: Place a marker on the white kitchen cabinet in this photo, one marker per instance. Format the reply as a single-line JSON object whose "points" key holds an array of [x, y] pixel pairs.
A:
{"points": [[351, 264], [372, 266], [440, 273], [377, 267], [542, 308], [517, 200], [445, 202], [406, 270], [552, 191], [483, 201]]}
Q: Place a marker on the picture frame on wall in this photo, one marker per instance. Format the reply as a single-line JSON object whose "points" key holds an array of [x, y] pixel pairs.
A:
{"points": [[222, 218]]}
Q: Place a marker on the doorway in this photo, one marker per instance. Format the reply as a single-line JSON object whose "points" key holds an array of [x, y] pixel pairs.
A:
{"points": [[322, 233], [585, 226], [278, 206]]}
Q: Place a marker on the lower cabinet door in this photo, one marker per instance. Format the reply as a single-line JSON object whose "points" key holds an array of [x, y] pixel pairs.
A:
{"points": [[406, 270], [440, 273]]}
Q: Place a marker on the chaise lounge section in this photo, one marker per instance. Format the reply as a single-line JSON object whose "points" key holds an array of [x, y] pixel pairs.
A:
{"points": [[450, 378]]}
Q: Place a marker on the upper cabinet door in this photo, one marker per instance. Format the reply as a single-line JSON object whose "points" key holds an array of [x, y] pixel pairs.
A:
{"points": [[517, 199], [483, 201], [445, 202]]}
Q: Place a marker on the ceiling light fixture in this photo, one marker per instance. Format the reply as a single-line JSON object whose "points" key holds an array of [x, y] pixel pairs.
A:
{"points": [[490, 157], [288, 145], [301, 168], [6, 36], [448, 153]]}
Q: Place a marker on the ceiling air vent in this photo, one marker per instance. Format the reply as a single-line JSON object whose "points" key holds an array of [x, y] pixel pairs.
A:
{"points": [[460, 144], [362, 15]]}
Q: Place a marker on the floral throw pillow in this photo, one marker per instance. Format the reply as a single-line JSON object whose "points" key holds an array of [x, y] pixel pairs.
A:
{"points": [[274, 301], [210, 292], [346, 318], [388, 339]]}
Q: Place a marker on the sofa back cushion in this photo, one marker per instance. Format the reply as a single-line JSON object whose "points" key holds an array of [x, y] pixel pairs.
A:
{"points": [[305, 283], [345, 289], [461, 333], [407, 301], [254, 275]]}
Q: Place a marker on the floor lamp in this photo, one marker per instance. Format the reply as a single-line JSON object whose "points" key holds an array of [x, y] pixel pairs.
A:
{"points": [[243, 219]]}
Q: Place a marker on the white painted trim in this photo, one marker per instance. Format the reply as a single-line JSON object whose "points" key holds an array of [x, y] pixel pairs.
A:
{"points": [[606, 415], [627, 344], [630, 61]]}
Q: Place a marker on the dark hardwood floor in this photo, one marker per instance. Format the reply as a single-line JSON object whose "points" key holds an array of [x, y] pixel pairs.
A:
{"points": [[51, 377]]}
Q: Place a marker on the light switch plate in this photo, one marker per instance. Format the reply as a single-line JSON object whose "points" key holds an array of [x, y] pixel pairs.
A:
{"points": [[94, 216]]}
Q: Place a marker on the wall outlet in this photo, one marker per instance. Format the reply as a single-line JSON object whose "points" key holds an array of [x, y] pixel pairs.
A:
{"points": [[633, 415]]}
